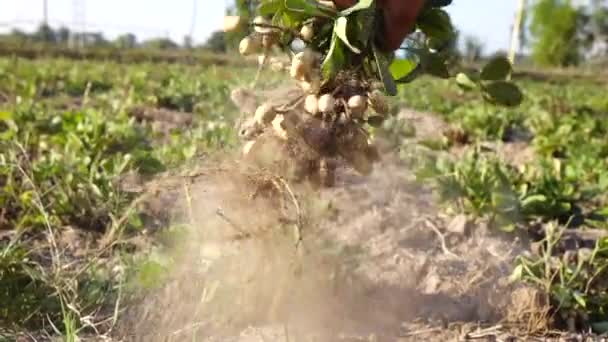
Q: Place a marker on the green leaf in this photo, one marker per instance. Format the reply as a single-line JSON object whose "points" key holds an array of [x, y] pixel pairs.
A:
{"points": [[465, 82], [434, 144], [504, 201], [340, 30], [579, 299], [7, 135], [95, 190], [436, 24], [135, 221], [363, 20], [412, 76], [147, 164], [189, 151], [335, 58], [434, 64], [383, 69], [304, 9], [270, 7], [5, 116], [517, 274], [361, 5], [498, 69], [504, 224], [150, 274], [286, 19], [503, 93], [534, 199], [602, 212], [402, 68]]}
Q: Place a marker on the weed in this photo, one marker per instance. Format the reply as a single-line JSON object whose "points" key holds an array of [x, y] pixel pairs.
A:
{"points": [[575, 282]]}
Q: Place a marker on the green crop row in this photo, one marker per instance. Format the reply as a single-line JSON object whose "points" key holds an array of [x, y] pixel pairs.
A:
{"points": [[561, 184], [67, 138]]}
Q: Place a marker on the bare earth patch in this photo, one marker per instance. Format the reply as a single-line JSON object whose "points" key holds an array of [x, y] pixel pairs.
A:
{"points": [[377, 262]]}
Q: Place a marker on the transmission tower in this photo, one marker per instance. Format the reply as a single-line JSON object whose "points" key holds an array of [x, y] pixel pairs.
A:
{"points": [[79, 21]]}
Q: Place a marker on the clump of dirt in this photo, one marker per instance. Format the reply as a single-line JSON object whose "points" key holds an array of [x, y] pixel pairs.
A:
{"points": [[370, 259]]}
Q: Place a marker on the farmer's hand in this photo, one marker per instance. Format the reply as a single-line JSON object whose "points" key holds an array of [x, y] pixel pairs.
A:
{"points": [[399, 18]]}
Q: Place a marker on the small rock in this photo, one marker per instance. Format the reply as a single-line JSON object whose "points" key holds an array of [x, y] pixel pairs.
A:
{"points": [[431, 283]]}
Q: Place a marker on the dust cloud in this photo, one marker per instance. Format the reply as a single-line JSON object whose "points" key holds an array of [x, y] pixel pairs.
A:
{"points": [[376, 260]]}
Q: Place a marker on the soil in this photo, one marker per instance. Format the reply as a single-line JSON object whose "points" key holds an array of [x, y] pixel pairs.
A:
{"points": [[377, 259], [369, 259]]}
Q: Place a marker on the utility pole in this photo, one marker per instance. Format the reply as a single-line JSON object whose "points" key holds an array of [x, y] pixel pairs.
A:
{"points": [[45, 14], [79, 22], [516, 32], [193, 22]]}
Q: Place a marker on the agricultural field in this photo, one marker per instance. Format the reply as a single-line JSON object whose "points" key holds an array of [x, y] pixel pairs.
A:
{"points": [[128, 214]]}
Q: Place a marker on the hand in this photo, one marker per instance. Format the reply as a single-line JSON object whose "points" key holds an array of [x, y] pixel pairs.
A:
{"points": [[399, 18]]}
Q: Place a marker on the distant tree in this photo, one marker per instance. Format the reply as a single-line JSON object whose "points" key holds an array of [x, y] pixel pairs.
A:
{"points": [[187, 43], [96, 39], [126, 41], [472, 49], [599, 27], [452, 50], [216, 42], [18, 36], [556, 27], [44, 33], [160, 43], [63, 35]]}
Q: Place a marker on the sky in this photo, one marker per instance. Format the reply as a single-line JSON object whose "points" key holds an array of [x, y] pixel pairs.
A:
{"points": [[489, 20]]}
